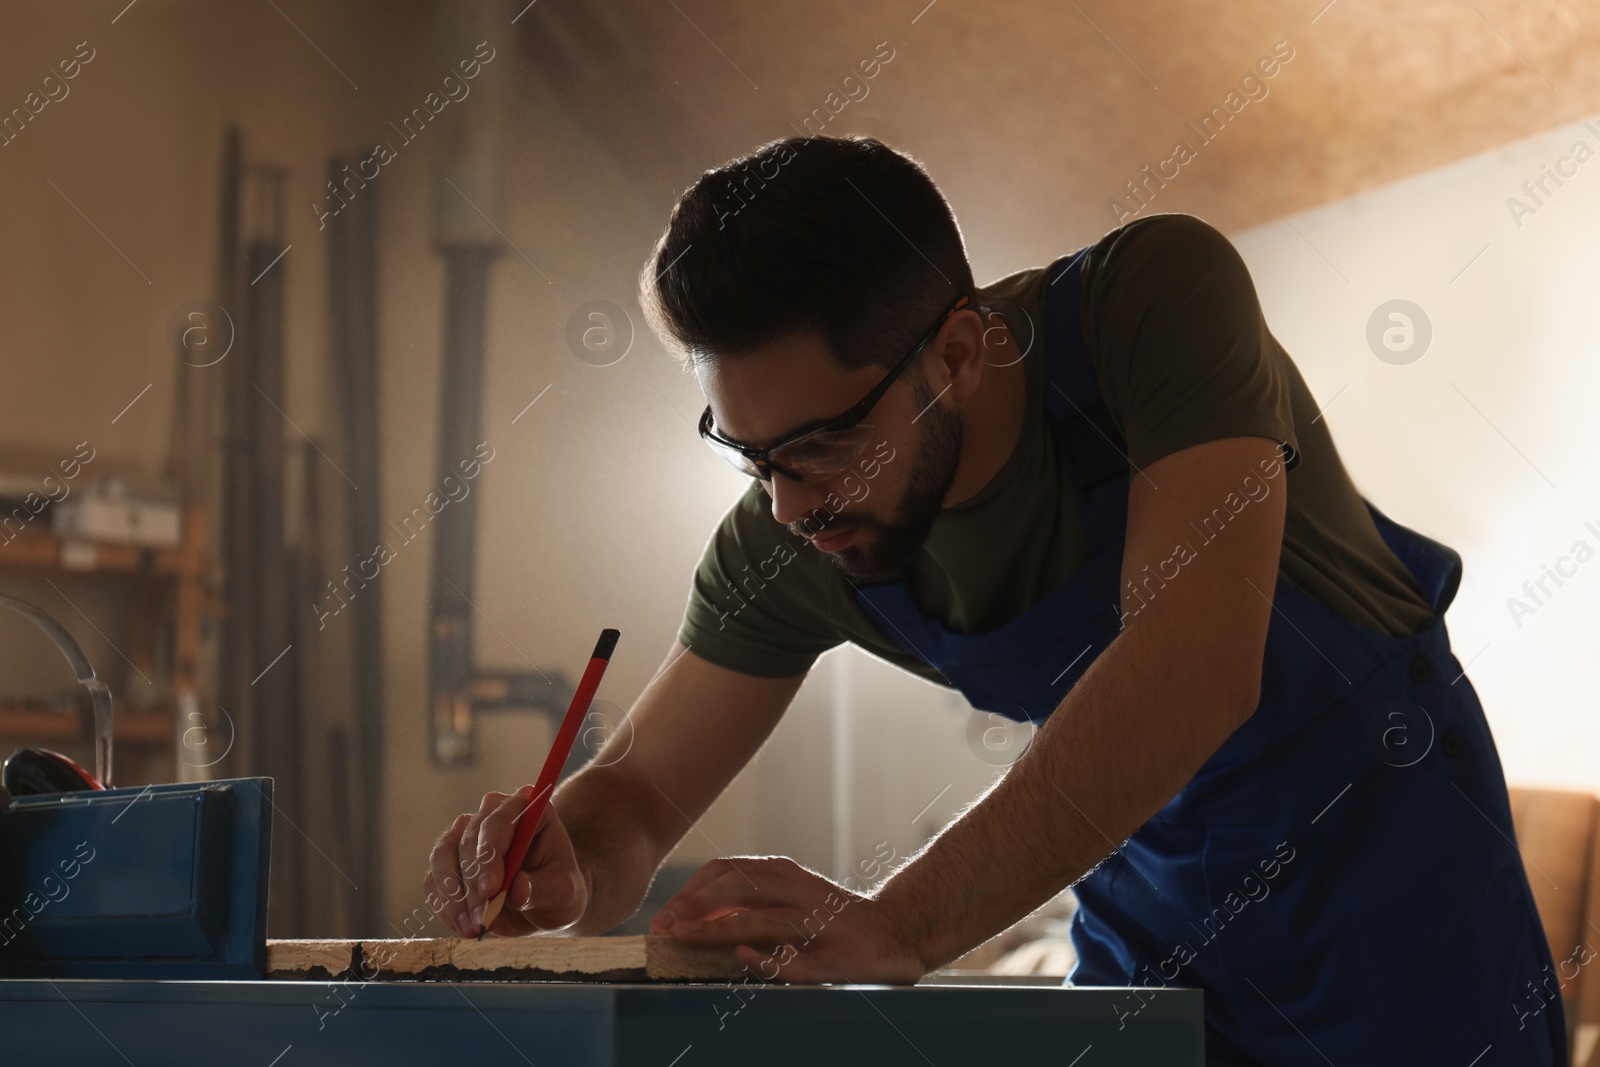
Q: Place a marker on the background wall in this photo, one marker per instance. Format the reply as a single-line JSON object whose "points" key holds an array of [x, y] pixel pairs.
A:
{"points": [[1486, 441], [1375, 167]]}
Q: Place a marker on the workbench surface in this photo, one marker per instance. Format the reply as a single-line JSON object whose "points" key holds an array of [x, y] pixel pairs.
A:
{"points": [[552, 1024]]}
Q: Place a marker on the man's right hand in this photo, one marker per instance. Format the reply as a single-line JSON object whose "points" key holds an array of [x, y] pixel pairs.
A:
{"points": [[692, 729], [467, 866]]}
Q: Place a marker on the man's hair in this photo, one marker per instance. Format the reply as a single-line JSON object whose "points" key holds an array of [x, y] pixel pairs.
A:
{"points": [[845, 238]]}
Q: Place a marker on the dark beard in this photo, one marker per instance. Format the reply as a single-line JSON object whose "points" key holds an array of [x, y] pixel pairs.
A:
{"points": [[885, 558]]}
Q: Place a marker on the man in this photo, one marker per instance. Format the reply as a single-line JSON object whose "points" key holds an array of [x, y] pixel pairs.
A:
{"points": [[1097, 496]]}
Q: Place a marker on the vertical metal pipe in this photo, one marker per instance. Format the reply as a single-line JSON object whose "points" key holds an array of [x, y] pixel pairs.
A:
{"points": [[353, 310], [455, 528], [237, 538], [466, 199], [276, 725]]}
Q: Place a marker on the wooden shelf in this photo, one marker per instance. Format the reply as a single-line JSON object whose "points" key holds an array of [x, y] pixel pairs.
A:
{"points": [[169, 595], [49, 554], [21, 723], [149, 728], [31, 723]]}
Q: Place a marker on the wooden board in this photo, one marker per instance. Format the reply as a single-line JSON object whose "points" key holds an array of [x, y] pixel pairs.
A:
{"points": [[1554, 828], [1585, 1021], [1555, 834], [592, 959]]}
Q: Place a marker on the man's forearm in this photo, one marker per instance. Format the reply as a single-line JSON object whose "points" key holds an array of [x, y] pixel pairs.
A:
{"points": [[1111, 756], [616, 854]]}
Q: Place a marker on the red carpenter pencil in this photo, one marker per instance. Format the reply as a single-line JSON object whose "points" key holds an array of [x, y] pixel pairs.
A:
{"points": [[528, 821]]}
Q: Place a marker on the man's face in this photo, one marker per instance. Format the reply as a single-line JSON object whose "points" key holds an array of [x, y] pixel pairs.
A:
{"points": [[872, 517]]}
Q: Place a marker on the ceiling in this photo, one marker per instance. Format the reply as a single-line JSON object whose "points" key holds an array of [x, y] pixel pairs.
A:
{"points": [[1047, 109]]}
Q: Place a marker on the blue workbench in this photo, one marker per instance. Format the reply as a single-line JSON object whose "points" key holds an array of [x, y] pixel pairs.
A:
{"points": [[87, 1023]]}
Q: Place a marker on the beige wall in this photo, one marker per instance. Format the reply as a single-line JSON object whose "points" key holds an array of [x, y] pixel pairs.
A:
{"points": [[1487, 441]]}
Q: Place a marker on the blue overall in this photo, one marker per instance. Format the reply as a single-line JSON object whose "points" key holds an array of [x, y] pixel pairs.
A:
{"points": [[1339, 877]]}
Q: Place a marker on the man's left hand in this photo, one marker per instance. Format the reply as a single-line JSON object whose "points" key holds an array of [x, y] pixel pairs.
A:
{"points": [[787, 923]]}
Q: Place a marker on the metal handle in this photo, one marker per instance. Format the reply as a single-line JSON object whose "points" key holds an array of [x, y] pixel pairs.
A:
{"points": [[84, 672]]}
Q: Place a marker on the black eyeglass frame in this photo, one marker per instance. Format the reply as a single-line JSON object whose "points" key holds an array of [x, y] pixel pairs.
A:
{"points": [[761, 458]]}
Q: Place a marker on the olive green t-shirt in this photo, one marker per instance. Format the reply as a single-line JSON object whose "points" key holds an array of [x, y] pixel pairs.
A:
{"points": [[1182, 356]]}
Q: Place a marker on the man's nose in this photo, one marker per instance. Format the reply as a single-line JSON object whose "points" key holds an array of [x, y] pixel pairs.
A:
{"points": [[792, 500]]}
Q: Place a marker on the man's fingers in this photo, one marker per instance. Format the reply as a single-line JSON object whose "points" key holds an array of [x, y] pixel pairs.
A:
{"points": [[549, 892], [728, 891], [746, 884], [510, 922], [551, 847], [680, 901], [762, 926], [444, 874], [709, 872], [776, 966], [467, 860], [495, 832], [467, 844], [467, 868], [556, 894], [547, 899]]}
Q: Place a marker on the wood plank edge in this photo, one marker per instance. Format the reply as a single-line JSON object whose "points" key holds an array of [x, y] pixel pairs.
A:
{"points": [[611, 959]]}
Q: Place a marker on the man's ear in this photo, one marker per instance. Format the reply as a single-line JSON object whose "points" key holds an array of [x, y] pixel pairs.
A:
{"points": [[962, 352]]}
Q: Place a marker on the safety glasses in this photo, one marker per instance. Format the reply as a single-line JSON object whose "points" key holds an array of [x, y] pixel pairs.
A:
{"points": [[828, 449]]}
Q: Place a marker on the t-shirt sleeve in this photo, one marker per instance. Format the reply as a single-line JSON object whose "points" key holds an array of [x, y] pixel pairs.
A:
{"points": [[1180, 347], [754, 602]]}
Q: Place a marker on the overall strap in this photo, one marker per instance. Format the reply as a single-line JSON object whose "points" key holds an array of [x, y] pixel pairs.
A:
{"points": [[1436, 567], [1094, 446]]}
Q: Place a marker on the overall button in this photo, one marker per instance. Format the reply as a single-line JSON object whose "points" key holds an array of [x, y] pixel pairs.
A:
{"points": [[1451, 743], [1420, 670]]}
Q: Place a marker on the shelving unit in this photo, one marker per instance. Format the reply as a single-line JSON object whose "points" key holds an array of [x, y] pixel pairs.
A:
{"points": [[169, 598]]}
